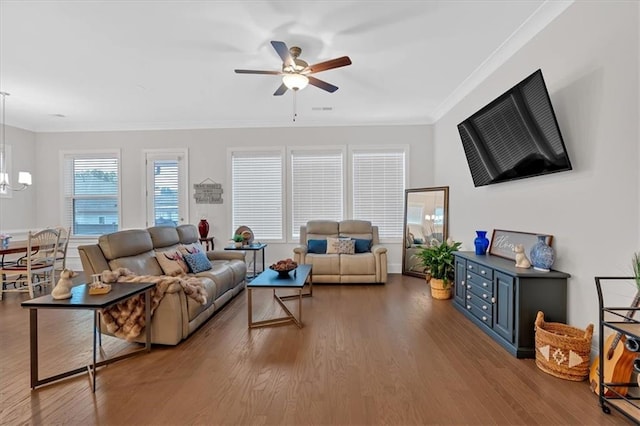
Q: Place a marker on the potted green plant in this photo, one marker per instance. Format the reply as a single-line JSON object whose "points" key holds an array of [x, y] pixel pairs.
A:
{"points": [[438, 262], [238, 240]]}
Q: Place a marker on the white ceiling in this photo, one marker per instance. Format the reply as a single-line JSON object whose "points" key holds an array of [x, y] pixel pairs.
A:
{"points": [[130, 65]]}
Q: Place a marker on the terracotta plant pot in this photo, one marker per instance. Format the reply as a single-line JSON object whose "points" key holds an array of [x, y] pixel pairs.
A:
{"points": [[438, 290]]}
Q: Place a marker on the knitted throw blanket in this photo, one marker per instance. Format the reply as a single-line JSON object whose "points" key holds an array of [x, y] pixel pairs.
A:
{"points": [[126, 319]]}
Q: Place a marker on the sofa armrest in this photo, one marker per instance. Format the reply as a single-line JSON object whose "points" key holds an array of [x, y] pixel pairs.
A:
{"points": [[227, 255], [300, 250], [300, 254], [378, 249]]}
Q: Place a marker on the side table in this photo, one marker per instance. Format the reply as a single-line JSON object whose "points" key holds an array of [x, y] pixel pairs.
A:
{"points": [[207, 242], [254, 247], [81, 299]]}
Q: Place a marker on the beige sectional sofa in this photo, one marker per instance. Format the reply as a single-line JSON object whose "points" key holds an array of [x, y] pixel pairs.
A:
{"points": [[367, 263], [177, 316]]}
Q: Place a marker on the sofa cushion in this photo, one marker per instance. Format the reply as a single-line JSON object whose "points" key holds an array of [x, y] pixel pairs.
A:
{"points": [[187, 233], [125, 243], [358, 264], [142, 264], [317, 246], [191, 248], [324, 264], [332, 245], [346, 246], [163, 236], [172, 262], [362, 245], [340, 246], [197, 262]]}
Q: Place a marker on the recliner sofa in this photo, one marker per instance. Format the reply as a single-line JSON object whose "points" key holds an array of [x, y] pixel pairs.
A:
{"points": [[177, 316], [367, 263]]}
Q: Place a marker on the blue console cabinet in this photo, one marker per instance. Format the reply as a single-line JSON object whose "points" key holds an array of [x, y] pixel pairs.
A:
{"points": [[503, 300]]}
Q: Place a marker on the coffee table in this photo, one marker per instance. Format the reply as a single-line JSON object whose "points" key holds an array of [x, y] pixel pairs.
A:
{"points": [[81, 299], [296, 279]]}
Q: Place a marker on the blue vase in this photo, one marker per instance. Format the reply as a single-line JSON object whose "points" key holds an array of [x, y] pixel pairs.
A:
{"points": [[542, 255], [481, 242]]}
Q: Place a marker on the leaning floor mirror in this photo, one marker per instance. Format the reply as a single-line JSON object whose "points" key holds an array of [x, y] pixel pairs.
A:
{"points": [[426, 217]]}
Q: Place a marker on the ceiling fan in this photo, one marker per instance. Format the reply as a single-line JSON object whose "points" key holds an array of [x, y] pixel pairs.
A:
{"points": [[296, 73]]}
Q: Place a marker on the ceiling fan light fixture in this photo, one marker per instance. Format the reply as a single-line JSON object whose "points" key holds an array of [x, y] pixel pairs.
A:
{"points": [[295, 81]]}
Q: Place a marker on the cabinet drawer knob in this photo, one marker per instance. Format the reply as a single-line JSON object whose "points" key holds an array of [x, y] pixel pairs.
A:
{"points": [[468, 277], [484, 307], [485, 295], [469, 286], [484, 318], [468, 297], [484, 284], [469, 307], [483, 272], [470, 267], [493, 300]]}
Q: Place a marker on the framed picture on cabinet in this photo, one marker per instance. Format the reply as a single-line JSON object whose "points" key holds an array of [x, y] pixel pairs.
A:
{"points": [[503, 242]]}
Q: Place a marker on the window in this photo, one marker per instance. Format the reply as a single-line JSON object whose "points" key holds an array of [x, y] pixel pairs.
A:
{"points": [[167, 198], [378, 183], [91, 193], [257, 193], [317, 182]]}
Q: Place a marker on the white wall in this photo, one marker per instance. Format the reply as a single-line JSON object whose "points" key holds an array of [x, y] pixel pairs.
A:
{"points": [[589, 58], [207, 159], [18, 213]]}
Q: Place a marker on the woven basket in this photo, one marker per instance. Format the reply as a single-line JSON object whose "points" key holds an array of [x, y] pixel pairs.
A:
{"points": [[562, 350], [438, 291]]}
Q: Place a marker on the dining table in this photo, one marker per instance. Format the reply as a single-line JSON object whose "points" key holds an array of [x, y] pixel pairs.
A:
{"points": [[14, 247]]}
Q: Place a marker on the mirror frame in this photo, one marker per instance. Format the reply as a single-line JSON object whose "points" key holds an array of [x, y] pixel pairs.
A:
{"points": [[445, 224]]}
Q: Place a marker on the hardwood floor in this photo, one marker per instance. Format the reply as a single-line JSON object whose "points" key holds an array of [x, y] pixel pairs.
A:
{"points": [[367, 355]]}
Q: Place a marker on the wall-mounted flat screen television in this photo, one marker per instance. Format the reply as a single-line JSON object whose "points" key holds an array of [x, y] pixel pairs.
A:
{"points": [[515, 136]]}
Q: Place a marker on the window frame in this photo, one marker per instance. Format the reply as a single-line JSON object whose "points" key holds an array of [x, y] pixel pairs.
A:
{"points": [[86, 154], [398, 148], [182, 156], [292, 236], [248, 151]]}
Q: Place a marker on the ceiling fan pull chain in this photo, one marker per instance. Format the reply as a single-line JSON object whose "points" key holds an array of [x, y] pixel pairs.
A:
{"points": [[294, 105]]}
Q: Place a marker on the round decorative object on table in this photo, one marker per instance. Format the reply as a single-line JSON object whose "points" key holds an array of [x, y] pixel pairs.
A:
{"points": [[203, 228], [246, 233], [481, 242], [542, 255]]}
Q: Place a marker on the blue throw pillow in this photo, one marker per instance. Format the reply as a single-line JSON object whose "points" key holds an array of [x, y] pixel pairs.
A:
{"points": [[198, 262], [317, 246], [362, 246]]}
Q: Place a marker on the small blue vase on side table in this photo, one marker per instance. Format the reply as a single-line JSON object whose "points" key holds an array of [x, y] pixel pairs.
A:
{"points": [[481, 242]]}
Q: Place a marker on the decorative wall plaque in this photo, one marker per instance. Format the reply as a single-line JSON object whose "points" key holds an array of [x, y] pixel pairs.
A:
{"points": [[208, 193]]}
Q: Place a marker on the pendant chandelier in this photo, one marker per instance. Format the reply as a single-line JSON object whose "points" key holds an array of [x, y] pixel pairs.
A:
{"points": [[24, 178]]}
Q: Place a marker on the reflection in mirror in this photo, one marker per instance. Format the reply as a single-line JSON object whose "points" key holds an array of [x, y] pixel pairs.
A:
{"points": [[426, 217]]}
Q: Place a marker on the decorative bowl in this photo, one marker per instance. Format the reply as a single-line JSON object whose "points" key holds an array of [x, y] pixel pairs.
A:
{"points": [[283, 267]]}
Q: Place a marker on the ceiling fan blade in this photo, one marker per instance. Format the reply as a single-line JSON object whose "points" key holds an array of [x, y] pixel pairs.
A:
{"points": [[327, 65], [281, 90], [258, 72], [283, 51], [322, 84]]}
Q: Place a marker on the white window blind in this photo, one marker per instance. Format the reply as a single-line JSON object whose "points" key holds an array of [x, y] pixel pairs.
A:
{"points": [[91, 193], [378, 189], [165, 192], [257, 187], [317, 182]]}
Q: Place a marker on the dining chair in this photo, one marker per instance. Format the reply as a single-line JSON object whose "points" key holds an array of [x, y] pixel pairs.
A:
{"points": [[61, 251], [36, 267]]}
